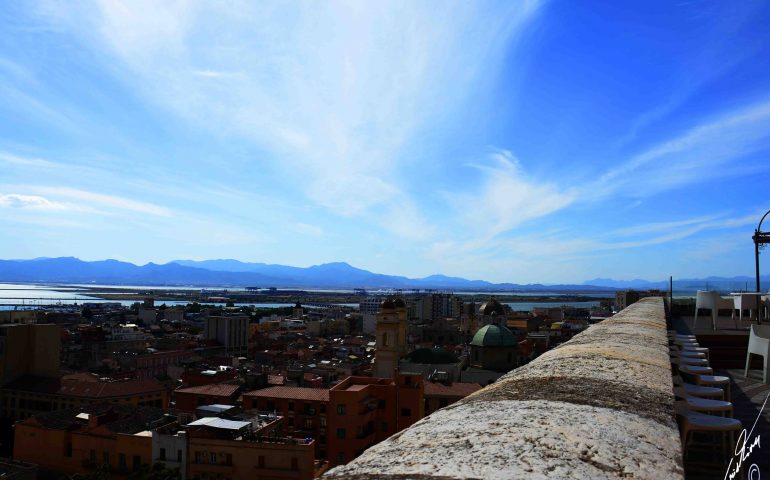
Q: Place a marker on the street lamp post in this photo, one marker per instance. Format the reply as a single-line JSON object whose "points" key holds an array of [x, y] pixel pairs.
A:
{"points": [[760, 238]]}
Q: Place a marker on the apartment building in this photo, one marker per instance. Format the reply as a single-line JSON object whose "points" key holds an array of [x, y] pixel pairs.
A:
{"points": [[304, 410], [364, 411], [115, 438]]}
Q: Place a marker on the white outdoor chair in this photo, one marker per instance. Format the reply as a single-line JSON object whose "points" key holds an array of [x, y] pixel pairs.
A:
{"points": [[744, 302], [711, 300], [759, 344]]}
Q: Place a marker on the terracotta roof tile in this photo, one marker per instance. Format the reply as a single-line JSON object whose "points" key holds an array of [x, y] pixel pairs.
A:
{"points": [[292, 393], [214, 389], [86, 388]]}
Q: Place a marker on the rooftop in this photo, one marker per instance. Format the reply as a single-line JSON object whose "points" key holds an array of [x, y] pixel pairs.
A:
{"points": [[292, 393], [214, 389], [82, 387], [221, 423], [117, 418]]}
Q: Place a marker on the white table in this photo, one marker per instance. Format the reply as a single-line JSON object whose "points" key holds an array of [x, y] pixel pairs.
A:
{"points": [[759, 296]]}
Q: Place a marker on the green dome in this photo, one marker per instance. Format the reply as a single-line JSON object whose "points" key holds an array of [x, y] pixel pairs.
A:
{"points": [[434, 356], [493, 336]]}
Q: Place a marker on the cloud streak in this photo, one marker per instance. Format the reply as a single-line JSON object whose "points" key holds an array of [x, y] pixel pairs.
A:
{"points": [[334, 91], [506, 198]]}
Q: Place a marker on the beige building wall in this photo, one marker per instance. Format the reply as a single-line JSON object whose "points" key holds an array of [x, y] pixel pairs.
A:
{"points": [[29, 350]]}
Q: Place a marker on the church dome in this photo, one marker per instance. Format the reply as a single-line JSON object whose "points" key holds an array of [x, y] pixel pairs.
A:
{"points": [[432, 356], [493, 336], [492, 307]]}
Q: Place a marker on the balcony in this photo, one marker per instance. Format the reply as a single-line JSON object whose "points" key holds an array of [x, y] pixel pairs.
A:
{"points": [[598, 406]]}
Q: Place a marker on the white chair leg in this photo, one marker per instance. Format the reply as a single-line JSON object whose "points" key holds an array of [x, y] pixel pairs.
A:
{"points": [[748, 363]]}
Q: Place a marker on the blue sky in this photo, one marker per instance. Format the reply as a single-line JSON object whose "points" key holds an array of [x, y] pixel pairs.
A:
{"points": [[510, 141]]}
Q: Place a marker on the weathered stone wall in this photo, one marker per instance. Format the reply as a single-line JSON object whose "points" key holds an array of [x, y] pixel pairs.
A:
{"points": [[599, 406]]}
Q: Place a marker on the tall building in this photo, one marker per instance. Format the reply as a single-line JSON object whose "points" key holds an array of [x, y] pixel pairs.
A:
{"points": [[29, 349], [230, 331], [391, 339], [436, 306], [363, 411]]}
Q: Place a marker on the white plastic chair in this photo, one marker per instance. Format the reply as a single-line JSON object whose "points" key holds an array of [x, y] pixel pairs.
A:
{"points": [[744, 302], [711, 300], [759, 344]]}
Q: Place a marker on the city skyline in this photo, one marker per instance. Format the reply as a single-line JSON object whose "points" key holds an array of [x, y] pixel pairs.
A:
{"points": [[515, 142]]}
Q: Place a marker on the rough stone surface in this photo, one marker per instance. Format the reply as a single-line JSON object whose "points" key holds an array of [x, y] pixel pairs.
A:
{"points": [[599, 406]]}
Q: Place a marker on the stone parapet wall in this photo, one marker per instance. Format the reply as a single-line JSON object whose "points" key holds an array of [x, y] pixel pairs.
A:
{"points": [[598, 406]]}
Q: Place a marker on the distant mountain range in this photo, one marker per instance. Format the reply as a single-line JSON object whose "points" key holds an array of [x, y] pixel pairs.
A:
{"points": [[233, 273]]}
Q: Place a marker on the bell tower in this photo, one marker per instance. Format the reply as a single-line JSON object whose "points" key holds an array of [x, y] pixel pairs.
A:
{"points": [[391, 337]]}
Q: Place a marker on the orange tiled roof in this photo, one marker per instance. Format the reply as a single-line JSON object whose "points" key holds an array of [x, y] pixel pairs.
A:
{"points": [[87, 388], [214, 389], [292, 393], [454, 390]]}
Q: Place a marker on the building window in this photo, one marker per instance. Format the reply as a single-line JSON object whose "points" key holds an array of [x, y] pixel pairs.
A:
{"points": [[137, 462], [291, 421], [341, 409], [179, 456], [475, 354], [261, 461], [122, 461], [341, 433], [291, 406], [270, 405], [340, 458], [322, 408], [385, 339], [106, 458], [381, 404], [294, 464], [322, 421], [212, 458], [68, 450], [443, 402], [92, 456], [406, 412], [384, 426], [162, 453]]}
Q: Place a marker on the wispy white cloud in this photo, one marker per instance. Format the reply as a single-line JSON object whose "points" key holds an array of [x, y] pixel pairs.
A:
{"points": [[707, 151], [23, 161], [34, 202], [506, 198], [86, 200], [334, 91]]}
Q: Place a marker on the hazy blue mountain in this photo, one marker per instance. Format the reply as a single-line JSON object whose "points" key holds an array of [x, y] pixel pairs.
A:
{"points": [[724, 284], [228, 272], [621, 284]]}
